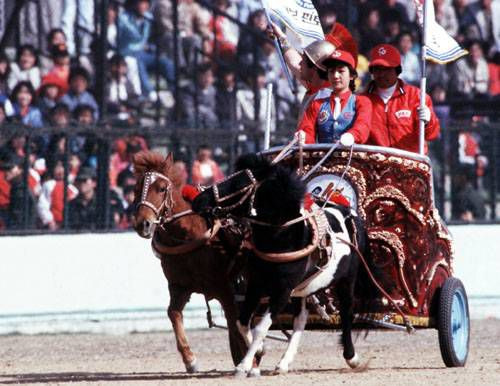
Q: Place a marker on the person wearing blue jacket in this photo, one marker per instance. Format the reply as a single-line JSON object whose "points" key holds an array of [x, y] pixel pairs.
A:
{"points": [[134, 31], [23, 98]]}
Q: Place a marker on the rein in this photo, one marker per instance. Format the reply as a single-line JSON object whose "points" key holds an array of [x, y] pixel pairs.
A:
{"points": [[409, 328], [166, 205], [288, 223], [290, 256], [190, 246]]}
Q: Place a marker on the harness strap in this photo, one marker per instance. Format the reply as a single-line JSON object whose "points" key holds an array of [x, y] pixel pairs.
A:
{"points": [[189, 246], [283, 151], [290, 256], [288, 223], [409, 327]]}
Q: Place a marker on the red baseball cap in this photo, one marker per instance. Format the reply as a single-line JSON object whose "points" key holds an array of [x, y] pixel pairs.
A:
{"points": [[385, 55], [341, 56]]}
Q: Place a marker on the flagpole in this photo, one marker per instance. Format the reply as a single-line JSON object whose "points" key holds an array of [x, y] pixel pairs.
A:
{"points": [[277, 45], [423, 83]]}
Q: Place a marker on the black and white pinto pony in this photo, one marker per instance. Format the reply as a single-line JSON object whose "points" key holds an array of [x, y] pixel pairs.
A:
{"points": [[270, 196]]}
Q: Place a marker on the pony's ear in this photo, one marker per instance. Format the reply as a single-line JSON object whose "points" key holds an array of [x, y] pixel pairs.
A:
{"points": [[169, 160]]}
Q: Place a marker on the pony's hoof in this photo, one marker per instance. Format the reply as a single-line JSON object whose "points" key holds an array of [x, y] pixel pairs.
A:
{"points": [[254, 372], [239, 372], [354, 361], [192, 367], [281, 369]]}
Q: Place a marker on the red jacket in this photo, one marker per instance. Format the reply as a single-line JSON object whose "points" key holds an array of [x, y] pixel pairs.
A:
{"points": [[360, 128], [396, 124]]}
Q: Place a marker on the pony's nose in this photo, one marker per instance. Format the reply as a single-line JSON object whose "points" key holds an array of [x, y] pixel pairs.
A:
{"points": [[147, 227]]}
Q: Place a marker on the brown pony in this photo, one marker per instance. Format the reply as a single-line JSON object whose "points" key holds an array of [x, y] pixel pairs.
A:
{"points": [[192, 259]]}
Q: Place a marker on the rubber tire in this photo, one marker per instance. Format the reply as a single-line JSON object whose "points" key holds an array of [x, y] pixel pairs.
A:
{"points": [[453, 322]]}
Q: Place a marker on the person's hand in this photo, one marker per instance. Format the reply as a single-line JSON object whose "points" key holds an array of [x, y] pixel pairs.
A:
{"points": [[300, 136], [274, 31], [347, 139], [424, 114]]}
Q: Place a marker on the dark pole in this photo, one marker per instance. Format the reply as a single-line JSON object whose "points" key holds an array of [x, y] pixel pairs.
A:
{"points": [[101, 62], [65, 182], [26, 192], [176, 58], [13, 24], [103, 209], [495, 141]]}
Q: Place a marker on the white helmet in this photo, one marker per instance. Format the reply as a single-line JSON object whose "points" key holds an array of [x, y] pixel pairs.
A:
{"points": [[318, 51]]}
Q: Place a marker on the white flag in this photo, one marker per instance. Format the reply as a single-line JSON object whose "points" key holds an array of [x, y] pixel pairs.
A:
{"points": [[441, 47], [300, 17]]}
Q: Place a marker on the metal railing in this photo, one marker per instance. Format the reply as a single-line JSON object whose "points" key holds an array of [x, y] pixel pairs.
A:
{"points": [[449, 182]]}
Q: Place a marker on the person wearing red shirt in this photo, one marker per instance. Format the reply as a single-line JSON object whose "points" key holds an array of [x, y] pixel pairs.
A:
{"points": [[342, 115], [306, 66], [395, 105]]}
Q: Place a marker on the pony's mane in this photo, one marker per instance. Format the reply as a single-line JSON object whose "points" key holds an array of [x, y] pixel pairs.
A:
{"points": [[148, 161], [145, 161], [260, 166], [283, 191]]}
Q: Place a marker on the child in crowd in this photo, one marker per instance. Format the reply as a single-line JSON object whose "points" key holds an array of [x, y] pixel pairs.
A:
{"points": [[60, 66], [25, 68], [60, 116], [79, 81], [120, 91], [205, 171], [23, 102], [55, 37], [4, 73], [50, 91], [50, 206], [84, 115]]}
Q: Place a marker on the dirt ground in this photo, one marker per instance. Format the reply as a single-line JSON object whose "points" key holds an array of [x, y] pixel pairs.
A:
{"points": [[388, 358]]}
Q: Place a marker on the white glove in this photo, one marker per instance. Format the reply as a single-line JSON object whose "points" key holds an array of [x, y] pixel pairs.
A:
{"points": [[424, 114], [347, 139], [300, 136]]}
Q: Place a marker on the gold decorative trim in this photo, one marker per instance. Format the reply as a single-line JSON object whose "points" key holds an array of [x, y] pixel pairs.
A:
{"points": [[416, 321], [432, 270], [395, 243], [388, 191], [355, 176]]}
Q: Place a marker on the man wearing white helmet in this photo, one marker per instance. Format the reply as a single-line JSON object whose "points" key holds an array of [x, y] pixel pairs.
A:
{"points": [[306, 67]]}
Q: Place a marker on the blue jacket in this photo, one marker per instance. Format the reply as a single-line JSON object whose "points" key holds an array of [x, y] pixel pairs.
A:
{"points": [[133, 33], [329, 130], [33, 118]]}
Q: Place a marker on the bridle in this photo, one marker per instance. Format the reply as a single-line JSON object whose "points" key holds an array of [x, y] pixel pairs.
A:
{"points": [[248, 191], [166, 204]]}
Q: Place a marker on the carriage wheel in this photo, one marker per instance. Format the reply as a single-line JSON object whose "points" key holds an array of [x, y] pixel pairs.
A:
{"points": [[453, 323]]}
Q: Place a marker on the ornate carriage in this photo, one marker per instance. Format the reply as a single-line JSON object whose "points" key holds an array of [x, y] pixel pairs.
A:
{"points": [[392, 191]]}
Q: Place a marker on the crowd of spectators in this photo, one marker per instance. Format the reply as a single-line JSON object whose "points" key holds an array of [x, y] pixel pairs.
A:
{"points": [[50, 82]]}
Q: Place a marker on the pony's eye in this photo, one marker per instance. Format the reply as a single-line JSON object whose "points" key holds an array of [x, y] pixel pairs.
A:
{"points": [[162, 190]]}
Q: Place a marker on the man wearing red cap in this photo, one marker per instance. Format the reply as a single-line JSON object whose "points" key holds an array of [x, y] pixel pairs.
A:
{"points": [[395, 105], [342, 115]]}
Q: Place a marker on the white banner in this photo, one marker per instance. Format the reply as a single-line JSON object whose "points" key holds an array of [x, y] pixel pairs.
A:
{"points": [[441, 47], [299, 16]]}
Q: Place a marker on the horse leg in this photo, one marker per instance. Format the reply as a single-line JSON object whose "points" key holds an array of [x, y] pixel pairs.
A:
{"points": [[236, 340], [259, 332], [178, 299], [299, 324], [252, 298], [345, 293]]}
